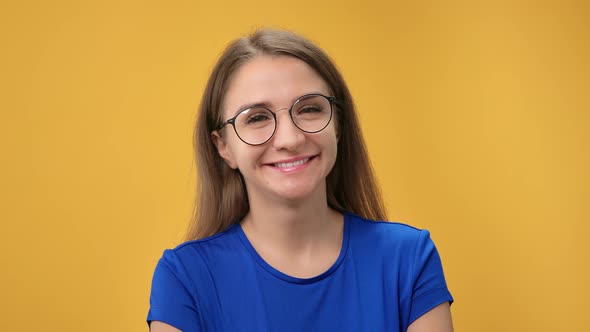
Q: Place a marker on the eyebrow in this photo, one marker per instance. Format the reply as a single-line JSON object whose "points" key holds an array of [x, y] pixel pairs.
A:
{"points": [[247, 106], [267, 105]]}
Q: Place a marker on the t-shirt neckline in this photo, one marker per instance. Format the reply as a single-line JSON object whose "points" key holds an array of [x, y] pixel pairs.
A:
{"points": [[283, 276]]}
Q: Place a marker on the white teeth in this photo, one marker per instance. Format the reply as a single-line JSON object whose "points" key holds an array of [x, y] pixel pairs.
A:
{"points": [[293, 164]]}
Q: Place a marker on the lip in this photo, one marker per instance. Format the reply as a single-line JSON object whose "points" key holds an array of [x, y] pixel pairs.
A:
{"points": [[291, 160]]}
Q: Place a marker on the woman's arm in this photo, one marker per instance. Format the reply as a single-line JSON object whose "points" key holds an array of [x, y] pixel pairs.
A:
{"points": [[436, 320], [157, 326]]}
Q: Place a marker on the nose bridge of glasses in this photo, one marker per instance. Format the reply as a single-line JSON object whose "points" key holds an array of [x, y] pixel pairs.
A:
{"points": [[276, 113], [281, 109]]}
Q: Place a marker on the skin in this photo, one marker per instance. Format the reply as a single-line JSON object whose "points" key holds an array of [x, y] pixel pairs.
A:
{"points": [[289, 224], [306, 239]]}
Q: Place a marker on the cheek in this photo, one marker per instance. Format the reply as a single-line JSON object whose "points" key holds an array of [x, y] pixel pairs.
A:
{"points": [[330, 143], [245, 156], [334, 133], [335, 125], [234, 151]]}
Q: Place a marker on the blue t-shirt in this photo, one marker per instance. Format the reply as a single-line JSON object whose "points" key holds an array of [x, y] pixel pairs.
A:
{"points": [[386, 276]]}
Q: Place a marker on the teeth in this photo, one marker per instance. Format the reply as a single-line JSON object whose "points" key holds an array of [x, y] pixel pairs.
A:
{"points": [[293, 164]]}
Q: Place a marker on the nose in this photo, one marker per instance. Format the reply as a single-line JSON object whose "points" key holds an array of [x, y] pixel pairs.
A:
{"points": [[287, 136]]}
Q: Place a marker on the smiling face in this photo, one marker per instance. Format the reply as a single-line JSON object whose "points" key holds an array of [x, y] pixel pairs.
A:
{"points": [[292, 165]]}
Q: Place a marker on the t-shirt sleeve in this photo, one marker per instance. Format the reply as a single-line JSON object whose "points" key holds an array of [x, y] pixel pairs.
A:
{"points": [[429, 285], [171, 301]]}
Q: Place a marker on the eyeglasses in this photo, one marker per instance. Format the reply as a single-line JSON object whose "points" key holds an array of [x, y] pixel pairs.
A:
{"points": [[256, 125]]}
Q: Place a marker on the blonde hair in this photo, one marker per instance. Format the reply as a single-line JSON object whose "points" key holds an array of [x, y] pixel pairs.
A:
{"points": [[221, 194]]}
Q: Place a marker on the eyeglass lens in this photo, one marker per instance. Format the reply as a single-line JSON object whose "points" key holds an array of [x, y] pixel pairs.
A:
{"points": [[310, 114]]}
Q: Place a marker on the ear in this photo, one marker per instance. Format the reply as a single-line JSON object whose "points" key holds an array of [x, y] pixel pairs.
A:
{"points": [[223, 149]]}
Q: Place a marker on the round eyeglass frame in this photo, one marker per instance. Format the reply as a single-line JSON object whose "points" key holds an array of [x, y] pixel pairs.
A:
{"points": [[331, 100]]}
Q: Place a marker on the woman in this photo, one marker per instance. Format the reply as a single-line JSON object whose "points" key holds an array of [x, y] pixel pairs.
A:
{"points": [[283, 237]]}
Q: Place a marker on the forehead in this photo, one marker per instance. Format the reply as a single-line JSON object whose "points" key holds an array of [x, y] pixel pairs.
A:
{"points": [[273, 80]]}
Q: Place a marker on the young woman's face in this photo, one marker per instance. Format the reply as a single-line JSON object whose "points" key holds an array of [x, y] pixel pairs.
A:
{"points": [[292, 165]]}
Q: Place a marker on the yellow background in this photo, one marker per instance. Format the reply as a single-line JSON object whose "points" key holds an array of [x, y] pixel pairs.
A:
{"points": [[476, 115]]}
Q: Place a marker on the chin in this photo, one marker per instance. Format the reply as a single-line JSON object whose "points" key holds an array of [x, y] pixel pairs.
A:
{"points": [[297, 193]]}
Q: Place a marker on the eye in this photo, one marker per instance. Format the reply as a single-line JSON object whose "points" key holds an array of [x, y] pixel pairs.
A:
{"points": [[257, 118], [310, 109]]}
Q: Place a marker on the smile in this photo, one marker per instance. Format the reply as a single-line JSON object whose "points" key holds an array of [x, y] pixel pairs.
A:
{"points": [[291, 164]]}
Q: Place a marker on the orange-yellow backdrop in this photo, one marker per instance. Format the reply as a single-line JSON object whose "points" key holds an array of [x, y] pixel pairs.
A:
{"points": [[476, 115]]}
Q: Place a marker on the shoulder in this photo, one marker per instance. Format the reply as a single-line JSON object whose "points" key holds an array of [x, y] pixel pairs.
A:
{"points": [[185, 275], [194, 253], [386, 239], [218, 241], [385, 232]]}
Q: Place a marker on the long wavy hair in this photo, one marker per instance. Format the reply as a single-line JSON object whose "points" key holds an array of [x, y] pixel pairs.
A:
{"points": [[221, 198]]}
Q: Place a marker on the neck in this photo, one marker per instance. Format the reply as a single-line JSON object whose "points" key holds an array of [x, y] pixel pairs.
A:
{"points": [[292, 226]]}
